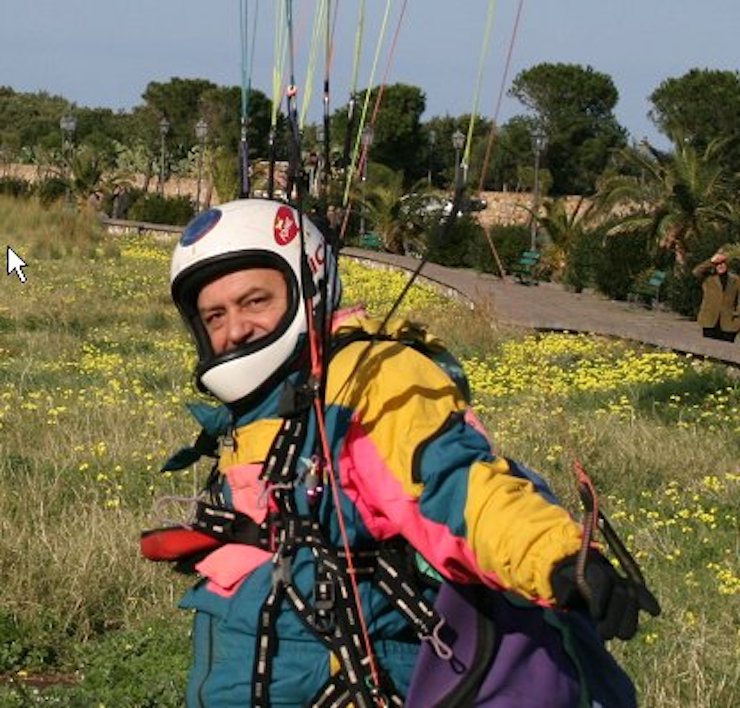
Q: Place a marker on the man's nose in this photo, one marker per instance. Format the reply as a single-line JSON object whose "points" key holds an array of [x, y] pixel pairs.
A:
{"points": [[240, 330]]}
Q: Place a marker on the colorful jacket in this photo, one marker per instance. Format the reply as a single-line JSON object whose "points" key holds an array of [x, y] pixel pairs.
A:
{"points": [[411, 460]]}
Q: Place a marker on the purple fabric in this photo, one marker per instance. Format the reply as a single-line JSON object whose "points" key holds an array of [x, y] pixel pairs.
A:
{"points": [[531, 669]]}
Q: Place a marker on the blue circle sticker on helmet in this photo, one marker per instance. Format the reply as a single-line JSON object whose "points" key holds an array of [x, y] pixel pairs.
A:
{"points": [[199, 227]]}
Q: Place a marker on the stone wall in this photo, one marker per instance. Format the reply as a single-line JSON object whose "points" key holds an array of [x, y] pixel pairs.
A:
{"points": [[504, 208], [510, 208]]}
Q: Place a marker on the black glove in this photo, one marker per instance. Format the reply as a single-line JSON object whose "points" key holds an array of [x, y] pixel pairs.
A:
{"points": [[613, 600]]}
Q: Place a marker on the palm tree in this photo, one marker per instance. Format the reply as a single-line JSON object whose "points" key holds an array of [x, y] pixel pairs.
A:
{"points": [[86, 171], [567, 226], [675, 197]]}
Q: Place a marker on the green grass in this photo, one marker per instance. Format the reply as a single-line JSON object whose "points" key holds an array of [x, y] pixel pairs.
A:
{"points": [[94, 373]]}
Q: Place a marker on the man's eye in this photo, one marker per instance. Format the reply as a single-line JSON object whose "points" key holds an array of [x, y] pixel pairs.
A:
{"points": [[257, 303], [212, 318]]}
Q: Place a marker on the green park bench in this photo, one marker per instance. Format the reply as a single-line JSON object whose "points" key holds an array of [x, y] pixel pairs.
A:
{"points": [[525, 268], [646, 290], [371, 242]]}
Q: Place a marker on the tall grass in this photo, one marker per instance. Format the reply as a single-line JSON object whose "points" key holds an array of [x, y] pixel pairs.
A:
{"points": [[52, 232], [94, 372]]}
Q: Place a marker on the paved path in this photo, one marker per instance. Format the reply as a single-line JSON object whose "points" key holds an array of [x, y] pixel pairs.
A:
{"points": [[550, 307]]}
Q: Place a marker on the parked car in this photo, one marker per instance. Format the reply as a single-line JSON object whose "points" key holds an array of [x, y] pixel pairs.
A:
{"points": [[433, 205]]}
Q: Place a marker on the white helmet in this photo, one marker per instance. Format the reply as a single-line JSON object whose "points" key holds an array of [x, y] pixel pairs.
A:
{"points": [[250, 233]]}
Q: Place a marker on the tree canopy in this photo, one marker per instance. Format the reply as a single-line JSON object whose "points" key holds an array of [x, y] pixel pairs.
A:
{"points": [[574, 105], [398, 140], [701, 106]]}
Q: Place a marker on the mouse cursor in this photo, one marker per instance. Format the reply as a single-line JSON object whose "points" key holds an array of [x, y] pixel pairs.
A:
{"points": [[16, 264]]}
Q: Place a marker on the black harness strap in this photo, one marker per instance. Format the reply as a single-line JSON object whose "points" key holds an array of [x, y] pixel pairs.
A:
{"points": [[266, 645], [333, 618], [383, 565], [230, 526], [334, 693], [407, 599]]}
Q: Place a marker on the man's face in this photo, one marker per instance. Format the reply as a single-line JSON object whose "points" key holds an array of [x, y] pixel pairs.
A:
{"points": [[242, 306]]}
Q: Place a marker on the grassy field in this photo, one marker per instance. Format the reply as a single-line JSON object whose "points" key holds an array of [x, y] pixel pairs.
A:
{"points": [[94, 374]]}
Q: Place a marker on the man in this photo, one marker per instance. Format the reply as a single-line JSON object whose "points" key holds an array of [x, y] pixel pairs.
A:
{"points": [[719, 315], [320, 475]]}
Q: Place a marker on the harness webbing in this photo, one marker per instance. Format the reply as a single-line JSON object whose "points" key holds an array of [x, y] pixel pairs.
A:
{"points": [[336, 618], [280, 469]]}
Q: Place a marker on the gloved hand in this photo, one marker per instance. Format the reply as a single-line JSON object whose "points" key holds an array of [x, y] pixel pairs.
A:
{"points": [[613, 600]]}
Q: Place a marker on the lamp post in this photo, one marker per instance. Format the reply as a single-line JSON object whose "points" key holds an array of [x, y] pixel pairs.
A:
{"points": [[164, 128], [201, 132], [432, 143], [366, 138], [458, 142], [539, 142], [68, 125]]}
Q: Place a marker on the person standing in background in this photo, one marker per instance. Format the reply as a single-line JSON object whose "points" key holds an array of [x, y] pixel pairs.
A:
{"points": [[718, 315]]}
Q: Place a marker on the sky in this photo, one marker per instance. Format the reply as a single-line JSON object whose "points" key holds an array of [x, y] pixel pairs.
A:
{"points": [[101, 53]]}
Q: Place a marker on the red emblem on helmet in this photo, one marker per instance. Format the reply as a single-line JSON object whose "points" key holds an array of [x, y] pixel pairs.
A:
{"points": [[286, 227]]}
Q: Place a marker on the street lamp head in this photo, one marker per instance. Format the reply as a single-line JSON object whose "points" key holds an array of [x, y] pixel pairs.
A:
{"points": [[68, 124], [164, 126], [367, 136], [201, 130], [458, 140], [539, 139]]}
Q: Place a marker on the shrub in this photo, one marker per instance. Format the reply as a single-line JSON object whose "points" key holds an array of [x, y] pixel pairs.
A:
{"points": [[162, 210], [509, 242], [683, 292], [618, 260], [142, 667], [452, 245], [14, 186], [581, 260], [479, 252], [52, 189]]}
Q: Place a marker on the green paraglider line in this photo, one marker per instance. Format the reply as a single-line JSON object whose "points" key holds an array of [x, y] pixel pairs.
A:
{"points": [[247, 59]]}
